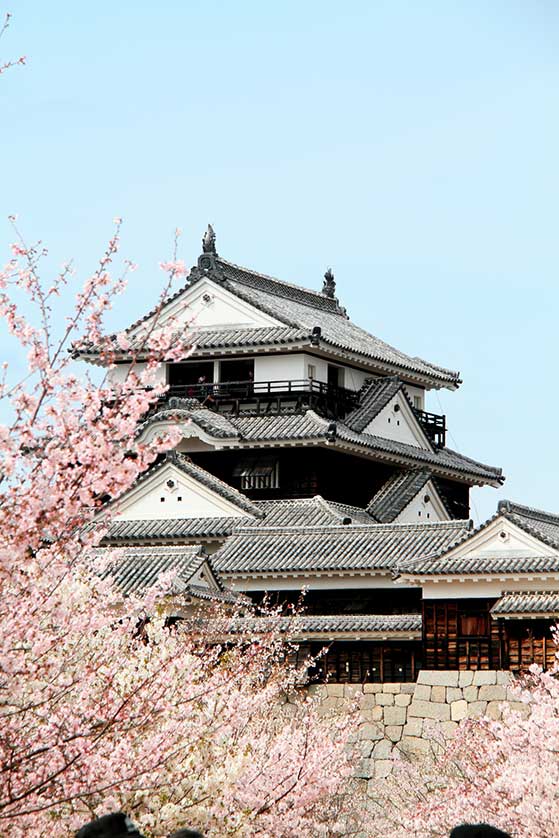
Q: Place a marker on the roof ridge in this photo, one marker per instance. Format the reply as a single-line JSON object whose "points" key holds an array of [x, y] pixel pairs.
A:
{"points": [[155, 548], [325, 505], [456, 524], [513, 508], [540, 592], [260, 275], [328, 303]]}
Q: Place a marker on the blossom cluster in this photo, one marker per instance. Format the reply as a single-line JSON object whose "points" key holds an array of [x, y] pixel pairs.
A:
{"points": [[96, 714]]}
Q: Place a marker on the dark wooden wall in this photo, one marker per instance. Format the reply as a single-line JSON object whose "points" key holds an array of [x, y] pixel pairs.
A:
{"points": [[304, 472], [344, 600], [362, 662], [528, 642], [461, 634]]}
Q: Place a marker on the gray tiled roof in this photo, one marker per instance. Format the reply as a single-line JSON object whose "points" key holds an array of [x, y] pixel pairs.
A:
{"points": [[373, 397], [321, 627], [298, 308], [362, 623], [441, 459], [333, 548], [205, 340], [261, 336], [182, 462], [310, 426], [515, 603], [309, 512], [138, 568], [543, 525], [190, 410], [226, 596], [312, 512], [398, 491], [482, 564], [277, 287], [287, 426], [173, 530]]}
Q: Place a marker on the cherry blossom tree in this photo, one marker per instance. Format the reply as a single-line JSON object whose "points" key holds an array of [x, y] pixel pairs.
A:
{"points": [[5, 65], [95, 716]]}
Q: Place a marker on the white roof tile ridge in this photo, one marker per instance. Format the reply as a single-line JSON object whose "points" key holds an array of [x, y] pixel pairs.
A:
{"points": [[457, 524]]}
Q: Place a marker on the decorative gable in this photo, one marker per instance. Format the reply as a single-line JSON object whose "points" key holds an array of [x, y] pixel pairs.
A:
{"points": [[170, 493], [425, 506], [500, 537], [204, 577], [207, 305], [397, 421]]}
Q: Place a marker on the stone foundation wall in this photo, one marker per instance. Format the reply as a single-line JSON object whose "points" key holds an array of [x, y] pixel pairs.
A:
{"points": [[408, 716]]}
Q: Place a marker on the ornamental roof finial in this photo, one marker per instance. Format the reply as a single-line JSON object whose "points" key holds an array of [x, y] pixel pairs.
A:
{"points": [[329, 287], [208, 241]]}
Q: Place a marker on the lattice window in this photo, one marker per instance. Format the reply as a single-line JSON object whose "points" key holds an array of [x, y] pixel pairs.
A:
{"points": [[261, 474]]}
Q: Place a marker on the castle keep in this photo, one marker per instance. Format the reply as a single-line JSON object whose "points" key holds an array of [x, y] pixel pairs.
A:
{"points": [[309, 458]]}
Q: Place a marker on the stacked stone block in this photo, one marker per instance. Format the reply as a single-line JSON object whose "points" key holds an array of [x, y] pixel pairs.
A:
{"points": [[411, 717]]}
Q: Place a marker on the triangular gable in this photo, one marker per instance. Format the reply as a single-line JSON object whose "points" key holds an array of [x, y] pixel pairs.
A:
{"points": [[397, 421], [205, 578], [179, 489], [426, 505], [500, 536], [208, 305], [498, 548]]}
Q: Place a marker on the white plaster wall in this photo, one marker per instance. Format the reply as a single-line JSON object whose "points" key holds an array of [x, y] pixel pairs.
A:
{"points": [[320, 365], [469, 589], [290, 367], [221, 309], [196, 500], [501, 536], [117, 374], [354, 379], [294, 367], [416, 391], [418, 511], [401, 426]]}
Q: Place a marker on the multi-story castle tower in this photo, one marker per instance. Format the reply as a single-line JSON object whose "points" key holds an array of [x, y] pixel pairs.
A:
{"points": [[308, 459]]}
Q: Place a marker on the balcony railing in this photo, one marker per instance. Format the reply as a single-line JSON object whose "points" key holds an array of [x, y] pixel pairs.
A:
{"points": [[270, 397], [434, 426]]}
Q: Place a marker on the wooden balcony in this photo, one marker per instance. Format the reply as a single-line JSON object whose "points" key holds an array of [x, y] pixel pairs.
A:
{"points": [[270, 397], [434, 426]]}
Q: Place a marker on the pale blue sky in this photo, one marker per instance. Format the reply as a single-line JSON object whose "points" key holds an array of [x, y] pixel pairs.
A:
{"points": [[411, 146]]}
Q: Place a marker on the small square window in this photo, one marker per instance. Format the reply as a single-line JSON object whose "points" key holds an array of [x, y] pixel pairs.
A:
{"points": [[179, 498]]}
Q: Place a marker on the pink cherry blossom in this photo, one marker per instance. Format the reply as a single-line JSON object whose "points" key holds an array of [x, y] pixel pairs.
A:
{"points": [[101, 708]]}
